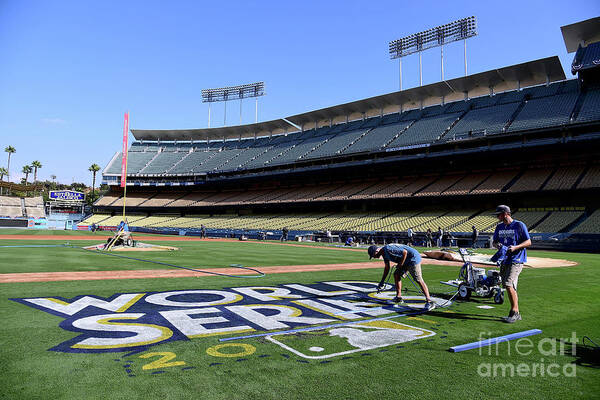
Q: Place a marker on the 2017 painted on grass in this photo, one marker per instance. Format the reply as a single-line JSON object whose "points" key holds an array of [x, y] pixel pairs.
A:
{"points": [[128, 321]]}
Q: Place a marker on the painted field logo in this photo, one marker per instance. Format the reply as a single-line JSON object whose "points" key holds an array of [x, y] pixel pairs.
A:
{"points": [[347, 339], [332, 311]]}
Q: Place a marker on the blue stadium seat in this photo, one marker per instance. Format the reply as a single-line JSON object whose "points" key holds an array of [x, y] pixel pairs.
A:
{"points": [[590, 109], [545, 112], [489, 119], [376, 138], [335, 144], [193, 159], [424, 130], [162, 162]]}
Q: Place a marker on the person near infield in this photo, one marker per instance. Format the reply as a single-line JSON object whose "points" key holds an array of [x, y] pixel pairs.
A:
{"points": [[408, 260], [511, 238]]}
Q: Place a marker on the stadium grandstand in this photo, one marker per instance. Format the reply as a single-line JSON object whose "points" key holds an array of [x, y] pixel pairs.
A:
{"points": [[437, 156]]}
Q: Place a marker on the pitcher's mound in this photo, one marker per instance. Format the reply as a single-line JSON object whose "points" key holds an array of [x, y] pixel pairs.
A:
{"points": [[137, 246]]}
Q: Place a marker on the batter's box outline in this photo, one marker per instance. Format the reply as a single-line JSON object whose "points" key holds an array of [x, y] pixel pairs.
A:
{"points": [[400, 335]]}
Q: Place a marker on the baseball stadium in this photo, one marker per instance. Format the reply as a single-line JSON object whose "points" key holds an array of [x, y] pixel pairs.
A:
{"points": [[243, 261]]}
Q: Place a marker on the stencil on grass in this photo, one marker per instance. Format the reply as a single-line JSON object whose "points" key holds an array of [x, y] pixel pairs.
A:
{"points": [[347, 339]]}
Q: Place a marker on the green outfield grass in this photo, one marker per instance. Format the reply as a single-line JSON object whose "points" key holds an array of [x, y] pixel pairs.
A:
{"points": [[559, 301], [201, 254], [46, 232]]}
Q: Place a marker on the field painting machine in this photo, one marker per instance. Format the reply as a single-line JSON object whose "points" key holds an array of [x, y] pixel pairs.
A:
{"points": [[477, 280]]}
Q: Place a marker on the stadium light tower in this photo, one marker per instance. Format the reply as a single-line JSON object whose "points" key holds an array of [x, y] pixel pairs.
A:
{"points": [[461, 29], [232, 93]]}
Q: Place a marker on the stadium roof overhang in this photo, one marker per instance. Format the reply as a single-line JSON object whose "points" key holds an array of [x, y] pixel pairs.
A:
{"points": [[526, 74], [581, 33], [228, 132], [531, 73]]}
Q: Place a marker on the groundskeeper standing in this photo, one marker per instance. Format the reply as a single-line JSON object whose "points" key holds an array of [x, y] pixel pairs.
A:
{"points": [[408, 261], [511, 238]]}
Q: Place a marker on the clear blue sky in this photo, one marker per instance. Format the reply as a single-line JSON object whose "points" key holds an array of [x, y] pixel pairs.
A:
{"points": [[70, 69]]}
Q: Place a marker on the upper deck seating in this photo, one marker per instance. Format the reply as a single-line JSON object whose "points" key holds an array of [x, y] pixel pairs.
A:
{"points": [[163, 162], [191, 161], [531, 180], [590, 108], [591, 179], [545, 112], [465, 185], [424, 130], [564, 178], [495, 182]]}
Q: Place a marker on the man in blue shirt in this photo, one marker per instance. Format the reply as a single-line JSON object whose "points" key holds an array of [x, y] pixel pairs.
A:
{"points": [[123, 226], [511, 236], [408, 261]]}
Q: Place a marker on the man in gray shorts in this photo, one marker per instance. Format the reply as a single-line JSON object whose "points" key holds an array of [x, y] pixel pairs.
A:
{"points": [[408, 261], [511, 238]]}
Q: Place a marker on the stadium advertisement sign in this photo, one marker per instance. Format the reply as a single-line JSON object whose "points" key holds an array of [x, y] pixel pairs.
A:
{"points": [[66, 195], [347, 312], [37, 223]]}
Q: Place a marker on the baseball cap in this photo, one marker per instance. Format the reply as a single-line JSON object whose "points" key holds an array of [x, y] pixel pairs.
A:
{"points": [[502, 209], [372, 250]]}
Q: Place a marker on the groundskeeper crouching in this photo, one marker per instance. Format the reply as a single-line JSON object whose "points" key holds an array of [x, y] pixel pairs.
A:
{"points": [[408, 261]]}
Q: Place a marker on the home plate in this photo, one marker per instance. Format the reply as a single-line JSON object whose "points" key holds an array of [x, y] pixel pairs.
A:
{"points": [[485, 307]]}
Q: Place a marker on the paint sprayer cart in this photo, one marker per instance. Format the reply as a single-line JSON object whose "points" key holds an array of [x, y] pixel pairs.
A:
{"points": [[477, 280]]}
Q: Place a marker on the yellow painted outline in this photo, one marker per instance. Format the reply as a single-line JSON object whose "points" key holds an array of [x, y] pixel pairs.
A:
{"points": [[321, 311], [167, 333], [214, 350], [238, 297], [378, 296], [290, 296], [131, 302], [220, 333], [163, 361], [123, 308], [422, 319], [57, 301], [389, 324]]}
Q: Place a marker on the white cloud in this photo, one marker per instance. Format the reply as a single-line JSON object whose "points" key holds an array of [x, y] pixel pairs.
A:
{"points": [[54, 121]]}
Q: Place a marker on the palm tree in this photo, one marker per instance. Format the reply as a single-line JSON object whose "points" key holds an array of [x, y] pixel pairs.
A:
{"points": [[35, 164], [93, 169], [9, 150], [3, 172], [27, 170]]}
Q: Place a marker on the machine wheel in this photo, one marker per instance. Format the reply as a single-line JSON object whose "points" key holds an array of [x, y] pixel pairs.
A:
{"points": [[490, 292], [129, 242], [464, 292], [499, 296]]}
